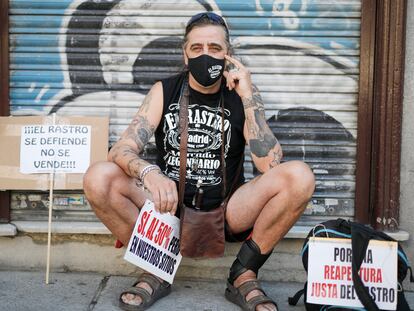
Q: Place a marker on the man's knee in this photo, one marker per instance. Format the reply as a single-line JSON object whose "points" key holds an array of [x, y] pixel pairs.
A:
{"points": [[300, 179], [98, 179]]}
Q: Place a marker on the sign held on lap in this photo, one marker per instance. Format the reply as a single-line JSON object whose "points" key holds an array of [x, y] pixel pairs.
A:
{"points": [[155, 244], [330, 273]]}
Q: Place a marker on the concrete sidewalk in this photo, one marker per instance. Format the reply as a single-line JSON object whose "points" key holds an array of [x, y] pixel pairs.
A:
{"points": [[26, 291]]}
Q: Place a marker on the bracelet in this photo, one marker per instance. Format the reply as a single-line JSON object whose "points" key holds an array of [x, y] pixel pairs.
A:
{"points": [[148, 169]]}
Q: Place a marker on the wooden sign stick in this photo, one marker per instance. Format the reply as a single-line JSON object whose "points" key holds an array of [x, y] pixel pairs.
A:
{"points": [[49, 230]]}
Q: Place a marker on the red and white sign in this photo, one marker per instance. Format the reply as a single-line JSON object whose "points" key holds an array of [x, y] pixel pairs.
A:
{"points": [[155, 243], [330, 273]]}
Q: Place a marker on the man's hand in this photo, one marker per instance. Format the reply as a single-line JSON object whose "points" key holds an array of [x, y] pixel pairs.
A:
{"points": [[163, 191], [238, 78]]}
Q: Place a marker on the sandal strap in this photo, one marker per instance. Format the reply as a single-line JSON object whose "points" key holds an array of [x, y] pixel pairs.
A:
{"points": [[248, 286], [252, 303], [159, 290], [151, 280], [138, 291], [257, 300]]}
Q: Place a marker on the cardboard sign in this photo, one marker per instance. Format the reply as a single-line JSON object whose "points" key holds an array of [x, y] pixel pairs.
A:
{"points": [[55, 148], [155, 244], [330, 273], [10, 134]]}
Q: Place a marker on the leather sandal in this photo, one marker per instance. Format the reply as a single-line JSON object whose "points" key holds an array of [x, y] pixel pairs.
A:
{"points": [[237, 295], [159, 289]]}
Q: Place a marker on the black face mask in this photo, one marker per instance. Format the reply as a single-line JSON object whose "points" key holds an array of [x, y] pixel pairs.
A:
{"points": [[206, 69]]}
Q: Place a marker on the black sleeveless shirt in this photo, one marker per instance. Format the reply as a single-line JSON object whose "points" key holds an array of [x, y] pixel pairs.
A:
{"points": [[204, 140]]}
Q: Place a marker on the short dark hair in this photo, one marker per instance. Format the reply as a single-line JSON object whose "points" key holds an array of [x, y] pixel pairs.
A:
{"points": [[204, 19]]}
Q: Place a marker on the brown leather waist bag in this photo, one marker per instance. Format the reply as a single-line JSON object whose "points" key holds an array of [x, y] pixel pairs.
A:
{"points": [[202, 232]]}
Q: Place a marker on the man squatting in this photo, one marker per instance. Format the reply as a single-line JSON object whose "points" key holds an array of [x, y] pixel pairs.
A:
{"points": [[259, 213]]}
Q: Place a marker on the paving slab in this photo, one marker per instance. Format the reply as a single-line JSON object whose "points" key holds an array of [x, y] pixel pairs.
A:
{"points": [[194, 295], [27, 291], [202, 295]]}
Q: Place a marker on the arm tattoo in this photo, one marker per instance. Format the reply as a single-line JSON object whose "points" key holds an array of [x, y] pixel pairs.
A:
{"points": [[261, 139], [127, 156], [254, 102], [129, 151], [277, 157], [114, 152], [123, 150], [261, 148], [145, 104], [140, 130], [134, 166]]}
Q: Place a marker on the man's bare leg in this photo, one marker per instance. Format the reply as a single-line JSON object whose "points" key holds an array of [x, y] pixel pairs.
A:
{"points": [[116, 199], [271, 204]]}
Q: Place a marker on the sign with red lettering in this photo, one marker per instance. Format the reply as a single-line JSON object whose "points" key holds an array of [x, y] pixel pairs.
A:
{"points": [[330, 273], [155, 243]]}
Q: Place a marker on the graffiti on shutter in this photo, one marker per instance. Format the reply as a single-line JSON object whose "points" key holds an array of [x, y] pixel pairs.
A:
{"points": [[78, 57]]}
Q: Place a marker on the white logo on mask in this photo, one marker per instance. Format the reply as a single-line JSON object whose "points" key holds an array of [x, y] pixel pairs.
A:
{"points": [[214, 71]]}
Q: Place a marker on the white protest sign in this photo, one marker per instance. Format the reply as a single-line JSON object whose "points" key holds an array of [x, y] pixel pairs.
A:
{"points": [[155, 244], [330, 273], [55, 148]]}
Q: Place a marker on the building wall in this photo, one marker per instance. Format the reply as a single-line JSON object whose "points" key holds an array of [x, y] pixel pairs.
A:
{"points": [[84, 57], [407, 152]]}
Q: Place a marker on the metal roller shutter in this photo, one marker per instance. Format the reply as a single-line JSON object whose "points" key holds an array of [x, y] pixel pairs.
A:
{"points": [[101, 57]]}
